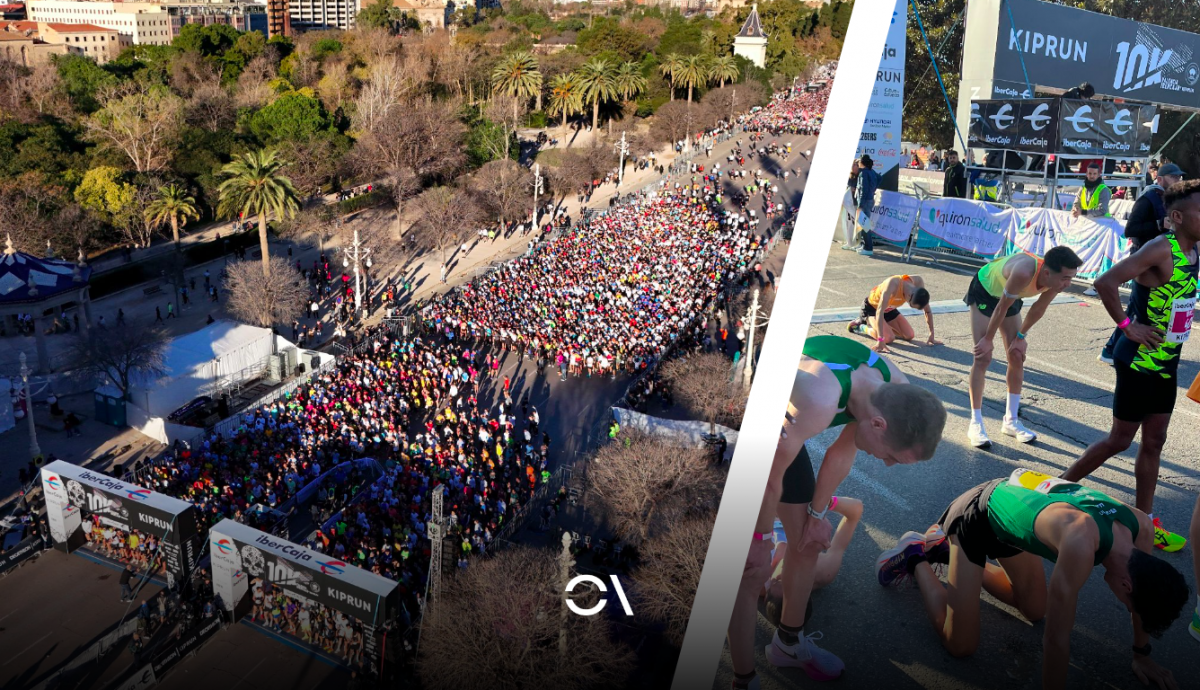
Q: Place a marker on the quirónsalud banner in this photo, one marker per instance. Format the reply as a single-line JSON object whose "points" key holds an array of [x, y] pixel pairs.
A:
{"points": [[989, 230]]}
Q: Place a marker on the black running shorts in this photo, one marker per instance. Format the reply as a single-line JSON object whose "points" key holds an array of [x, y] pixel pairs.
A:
{"points": [[799, 482], [1139, 395], [868, 312], [967, 517], [981, 299]]}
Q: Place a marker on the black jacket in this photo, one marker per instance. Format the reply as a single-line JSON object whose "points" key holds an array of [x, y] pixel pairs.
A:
{"points": [[954, 182], [1146, 217]]}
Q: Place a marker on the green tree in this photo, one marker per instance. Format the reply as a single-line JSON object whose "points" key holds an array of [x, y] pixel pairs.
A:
{"points": [[104, 192], [293, 117], [210, 40], [670, 68], [723, 69], [172, 205], [81, 79], [377, 15], [566, 98], [628, 80], [254, 185], [517, 75], [595, 79], [609, 34], [693, 72]]}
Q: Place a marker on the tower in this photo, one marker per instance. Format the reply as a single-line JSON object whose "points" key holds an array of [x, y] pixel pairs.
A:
{"points": [[751, 41]]}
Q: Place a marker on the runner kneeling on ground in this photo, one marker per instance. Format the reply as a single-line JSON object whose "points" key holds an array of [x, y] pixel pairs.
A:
{"points": [[839, 382], [996, 293], [894, 292], [1018, 521]]}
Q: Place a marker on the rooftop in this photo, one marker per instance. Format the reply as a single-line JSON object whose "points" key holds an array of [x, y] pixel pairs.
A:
{"points": [[752, 28]]}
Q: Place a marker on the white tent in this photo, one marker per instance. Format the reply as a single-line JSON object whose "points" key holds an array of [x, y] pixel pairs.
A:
{"points": [[196, 365]]}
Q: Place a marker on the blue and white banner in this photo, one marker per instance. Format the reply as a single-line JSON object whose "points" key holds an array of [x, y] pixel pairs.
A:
{"points": [[880, 137], [893, 216], [969, 225]]}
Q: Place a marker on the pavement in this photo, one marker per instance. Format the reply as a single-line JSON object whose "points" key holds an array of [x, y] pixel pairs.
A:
{"points": [[883, 636]]}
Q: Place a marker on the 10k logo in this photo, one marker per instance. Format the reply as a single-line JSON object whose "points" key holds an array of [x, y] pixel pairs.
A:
{"points": [[599, 583]]}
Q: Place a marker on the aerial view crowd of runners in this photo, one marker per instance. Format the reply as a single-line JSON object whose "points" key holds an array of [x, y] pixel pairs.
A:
{"points": [[995, 536]]}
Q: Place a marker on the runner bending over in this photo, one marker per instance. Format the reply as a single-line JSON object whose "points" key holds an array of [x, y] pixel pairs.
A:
{"points": [[1146, 356], [1018, 521], [997, 293], [893, 292], [839, 382]]}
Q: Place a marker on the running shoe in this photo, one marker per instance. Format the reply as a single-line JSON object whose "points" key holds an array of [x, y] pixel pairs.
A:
{"points": [[1105, 357], [977, 436], [937, 545], [1014, 428], [1194, 628], [752, 685], [1090, 292], [865, 252], [854, 325], [892, 565], [1167, 541], [816, 662]]}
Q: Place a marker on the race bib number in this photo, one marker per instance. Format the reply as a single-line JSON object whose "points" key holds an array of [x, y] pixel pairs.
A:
{"points": [[1180, 325], [1035, 481]]}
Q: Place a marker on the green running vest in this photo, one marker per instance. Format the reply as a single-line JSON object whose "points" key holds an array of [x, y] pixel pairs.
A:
{"points": [[842, 356], [1169, 308]]}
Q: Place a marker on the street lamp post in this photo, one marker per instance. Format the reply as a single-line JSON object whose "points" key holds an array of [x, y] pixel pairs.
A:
{"points": [[622, 150], [361, 256], [35, 452], [538, 188]]}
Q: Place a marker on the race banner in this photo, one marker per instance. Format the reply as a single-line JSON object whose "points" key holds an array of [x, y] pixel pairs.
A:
{"points": [[893, 216], [1017, 125], [969, 225], [880, 137], [126, 507], [1104, 128], [1098, 241], [239, 552], [23, 551]]}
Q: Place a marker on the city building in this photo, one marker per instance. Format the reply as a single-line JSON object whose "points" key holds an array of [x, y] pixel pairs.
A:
{"points": [[88, 40], [148, 23], [428, 13], [279, 18], [27, 51], [13, 12], [314, 15], [751, 41]]}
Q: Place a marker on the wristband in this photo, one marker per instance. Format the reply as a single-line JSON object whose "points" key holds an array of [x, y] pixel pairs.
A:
{"points": [[880, 339], [1010, 295], [817, 515], [1142, 651], [833, 503], [1124, 324], [761, 536], [1020, 335]]}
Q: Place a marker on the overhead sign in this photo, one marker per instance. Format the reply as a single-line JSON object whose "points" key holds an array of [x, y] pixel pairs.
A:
{"points": [[880, 137], [1017, 125], [1104, 128], [1063, 47], [240, 552], [126, 507]]}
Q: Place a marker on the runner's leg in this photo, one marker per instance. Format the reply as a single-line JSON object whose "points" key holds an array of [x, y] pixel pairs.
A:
{"points": [[1154, 436], [1020, 582], [901, 328], [953, 609], [1119, 438], [979, 365]]}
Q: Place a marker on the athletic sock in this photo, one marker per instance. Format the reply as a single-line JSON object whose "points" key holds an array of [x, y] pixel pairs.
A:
{"points": [[977, 417], [789, 635], [1014, 405], [743, 680]]}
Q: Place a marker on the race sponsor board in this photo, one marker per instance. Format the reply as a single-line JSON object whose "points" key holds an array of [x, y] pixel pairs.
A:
{"points": [[969, 225], [1016, 125], [240, 552], [126, 507], [880, 137], [893, 215], [1061, 47], [24, 550], [1104, 128]]}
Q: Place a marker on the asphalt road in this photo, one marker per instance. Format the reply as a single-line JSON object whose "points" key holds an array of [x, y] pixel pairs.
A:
{"points": [[883, 635]]}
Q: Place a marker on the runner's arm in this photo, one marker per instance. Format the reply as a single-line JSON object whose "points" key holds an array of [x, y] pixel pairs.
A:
{"points": [[1075, 556], [1021, 272], [838, 461], [1156, 251], [885, 298], [929, 320], [1038, 310]]}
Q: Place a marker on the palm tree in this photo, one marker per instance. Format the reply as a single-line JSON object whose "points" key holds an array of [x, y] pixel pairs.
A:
{"points": [[724, 69], [517, 75], [595, 79], [565, 97], [172, 205], [254, 185], [670, 67], [629, 81], [707, 38], [693, 71]]}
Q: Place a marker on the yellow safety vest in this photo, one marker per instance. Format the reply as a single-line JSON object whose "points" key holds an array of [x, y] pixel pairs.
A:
{"points": [[986, 191], [1088, 202]]}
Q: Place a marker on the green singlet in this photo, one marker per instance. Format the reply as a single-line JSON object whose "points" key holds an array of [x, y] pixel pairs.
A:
{"points": [[842, 356], [1015, 505]]}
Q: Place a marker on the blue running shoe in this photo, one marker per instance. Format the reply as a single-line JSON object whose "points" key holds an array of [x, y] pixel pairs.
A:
{"points": [[892, 565]]}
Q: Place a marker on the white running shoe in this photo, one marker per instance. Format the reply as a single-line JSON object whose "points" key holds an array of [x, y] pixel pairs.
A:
{"points": [[1090, 292], [1014, 428], [1106, 359], [816, 662], [977, 436]]}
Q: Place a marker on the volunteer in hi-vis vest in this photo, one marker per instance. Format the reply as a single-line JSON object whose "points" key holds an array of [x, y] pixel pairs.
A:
{"points": [[1019, 521], [1146, 357], [1093, 197], [996, 296], [880, 317]]}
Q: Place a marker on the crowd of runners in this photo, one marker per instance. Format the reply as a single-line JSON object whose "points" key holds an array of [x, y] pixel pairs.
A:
{"points": [[795, 111], [995, 536]]}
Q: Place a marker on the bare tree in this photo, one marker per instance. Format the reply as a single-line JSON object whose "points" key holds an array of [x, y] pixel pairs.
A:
{"points": [[312, 164], [508, 112], [133, 221], [78, 227], [702, 384], [505, 189], [669, 574], [254, 88], [211, 107], [319, 223], [445, 216], [643, 486], [511, 634], [139, 120], [136, 351], [673, 120], [265, 300], [727, 101], [192, 70]]}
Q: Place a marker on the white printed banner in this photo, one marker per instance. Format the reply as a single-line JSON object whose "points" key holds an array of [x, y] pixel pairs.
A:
{"points": [[893, 216], [969, 225], [880, 136]]}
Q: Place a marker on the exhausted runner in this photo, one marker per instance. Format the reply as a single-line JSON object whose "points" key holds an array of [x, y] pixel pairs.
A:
{"points": [[839, 382], [1146, 356], [1018, 521], [996, 295], [894, 292]]}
